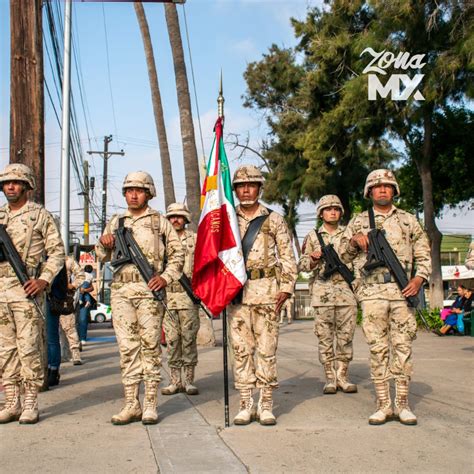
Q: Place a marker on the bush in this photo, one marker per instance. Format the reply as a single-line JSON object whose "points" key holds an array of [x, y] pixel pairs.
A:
{"points": [[432, 317]]}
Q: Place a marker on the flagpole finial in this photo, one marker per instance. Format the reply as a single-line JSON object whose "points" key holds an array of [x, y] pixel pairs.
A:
{"points": [[220, 100]]}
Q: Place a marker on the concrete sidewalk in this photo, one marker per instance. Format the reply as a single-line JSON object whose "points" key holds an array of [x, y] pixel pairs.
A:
{"points": [[315, 433]]}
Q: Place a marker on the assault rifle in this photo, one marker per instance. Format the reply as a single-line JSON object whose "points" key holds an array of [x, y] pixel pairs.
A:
{"points": [[187, 287], [381, 254], [8, 252], [333, 263], [128, 251]]}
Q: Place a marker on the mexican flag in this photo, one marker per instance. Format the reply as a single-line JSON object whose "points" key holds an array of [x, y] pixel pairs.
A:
{"points": [[219, 268]]}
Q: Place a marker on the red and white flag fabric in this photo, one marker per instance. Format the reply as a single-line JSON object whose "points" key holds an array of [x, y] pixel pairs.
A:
{"points": [[219, 267]]}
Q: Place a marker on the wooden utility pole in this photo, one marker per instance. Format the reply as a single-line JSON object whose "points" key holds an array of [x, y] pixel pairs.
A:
{"points": [[86, 195], [26, 89]]}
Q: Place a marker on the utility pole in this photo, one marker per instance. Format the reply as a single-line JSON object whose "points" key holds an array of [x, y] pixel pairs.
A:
{"points": [[26, 89], [106, 154], [86, 194]]}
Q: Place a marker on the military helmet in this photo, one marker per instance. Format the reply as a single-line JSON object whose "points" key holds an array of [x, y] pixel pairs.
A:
{"points": [[177, 209], [382, 176], [18, 172], [329, 200], [248, 174], [139, 179]]}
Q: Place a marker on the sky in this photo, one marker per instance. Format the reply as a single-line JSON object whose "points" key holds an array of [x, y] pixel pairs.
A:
{"points": [[224, 35]]}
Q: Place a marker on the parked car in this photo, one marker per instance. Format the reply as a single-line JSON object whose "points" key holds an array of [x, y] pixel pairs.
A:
{"points": [[102, 314]]}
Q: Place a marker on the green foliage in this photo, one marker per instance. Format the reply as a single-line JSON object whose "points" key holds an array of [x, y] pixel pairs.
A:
{"points": [[432, 317]]}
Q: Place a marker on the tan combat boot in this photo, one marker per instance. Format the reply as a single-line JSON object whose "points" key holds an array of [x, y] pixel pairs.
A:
{"points": [[150, 403], [265, 406], [331, 386], [189, 386], [247, 411], [175, 385], [402, 410], [131, 411], [342, 381], [30, 413], [12, 409], [76, 357], [384, 404]]}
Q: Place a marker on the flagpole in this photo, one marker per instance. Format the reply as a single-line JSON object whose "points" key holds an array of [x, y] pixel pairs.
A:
{"points": [[220, 113]]}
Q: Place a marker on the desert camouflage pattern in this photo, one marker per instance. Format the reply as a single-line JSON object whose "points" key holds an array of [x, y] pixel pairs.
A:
{"points": [[178, 209], [272, 249], [18, 172], [408, 241], [381, 176], [44, 239], [389, 324], [470, 257], [329, 200], [181, 337], [181, 330], [331, 292], [254, 324], [137, 325], [21, 325], [334, 326], [139, 179], [254, 339], [177, 297], [287, 309], [137, 316], [247, 174]]}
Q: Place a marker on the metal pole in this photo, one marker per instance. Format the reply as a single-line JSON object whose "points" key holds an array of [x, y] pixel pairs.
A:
{"points": [[107, 140], [226, 368], [86, 203], [65, 142]]}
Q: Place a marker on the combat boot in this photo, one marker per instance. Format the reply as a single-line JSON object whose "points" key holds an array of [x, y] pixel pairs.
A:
{"points": [[265, 406], [150, 403], [30, 413], [342, 382], [331, 386], [247, 410], [384, 404], [12, 409], [76, 357], [131, 411], [175, 385], [402, 410], [189, 386]]}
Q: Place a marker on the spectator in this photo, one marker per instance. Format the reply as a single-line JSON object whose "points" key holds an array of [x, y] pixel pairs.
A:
{"points": [[457, 303], [452, 320], [86, 302]]}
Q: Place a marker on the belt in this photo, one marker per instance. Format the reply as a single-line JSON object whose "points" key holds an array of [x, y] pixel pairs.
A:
{"points": [[132, 277], [175, 287], [380, 278], [258, 273]]}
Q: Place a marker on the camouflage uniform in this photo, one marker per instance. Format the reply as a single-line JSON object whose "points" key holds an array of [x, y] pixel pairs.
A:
{"points": [[34, 233], [287, 308], [76, 277], [335, 307], [137, 315], [254, 328], [470, 257], [181, 330], [389, 324]]}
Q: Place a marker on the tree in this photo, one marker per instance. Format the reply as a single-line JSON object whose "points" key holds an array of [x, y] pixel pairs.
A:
{"points": [[166, 169], [26, 89], [191, 163]]}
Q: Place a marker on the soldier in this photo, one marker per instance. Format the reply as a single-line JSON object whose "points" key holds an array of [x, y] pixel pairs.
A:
{"points": [[335, 307], [137, 315], [389, 324], [34, 233], [271, 272], [288, 309], [470, 257], [181, 330]]}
